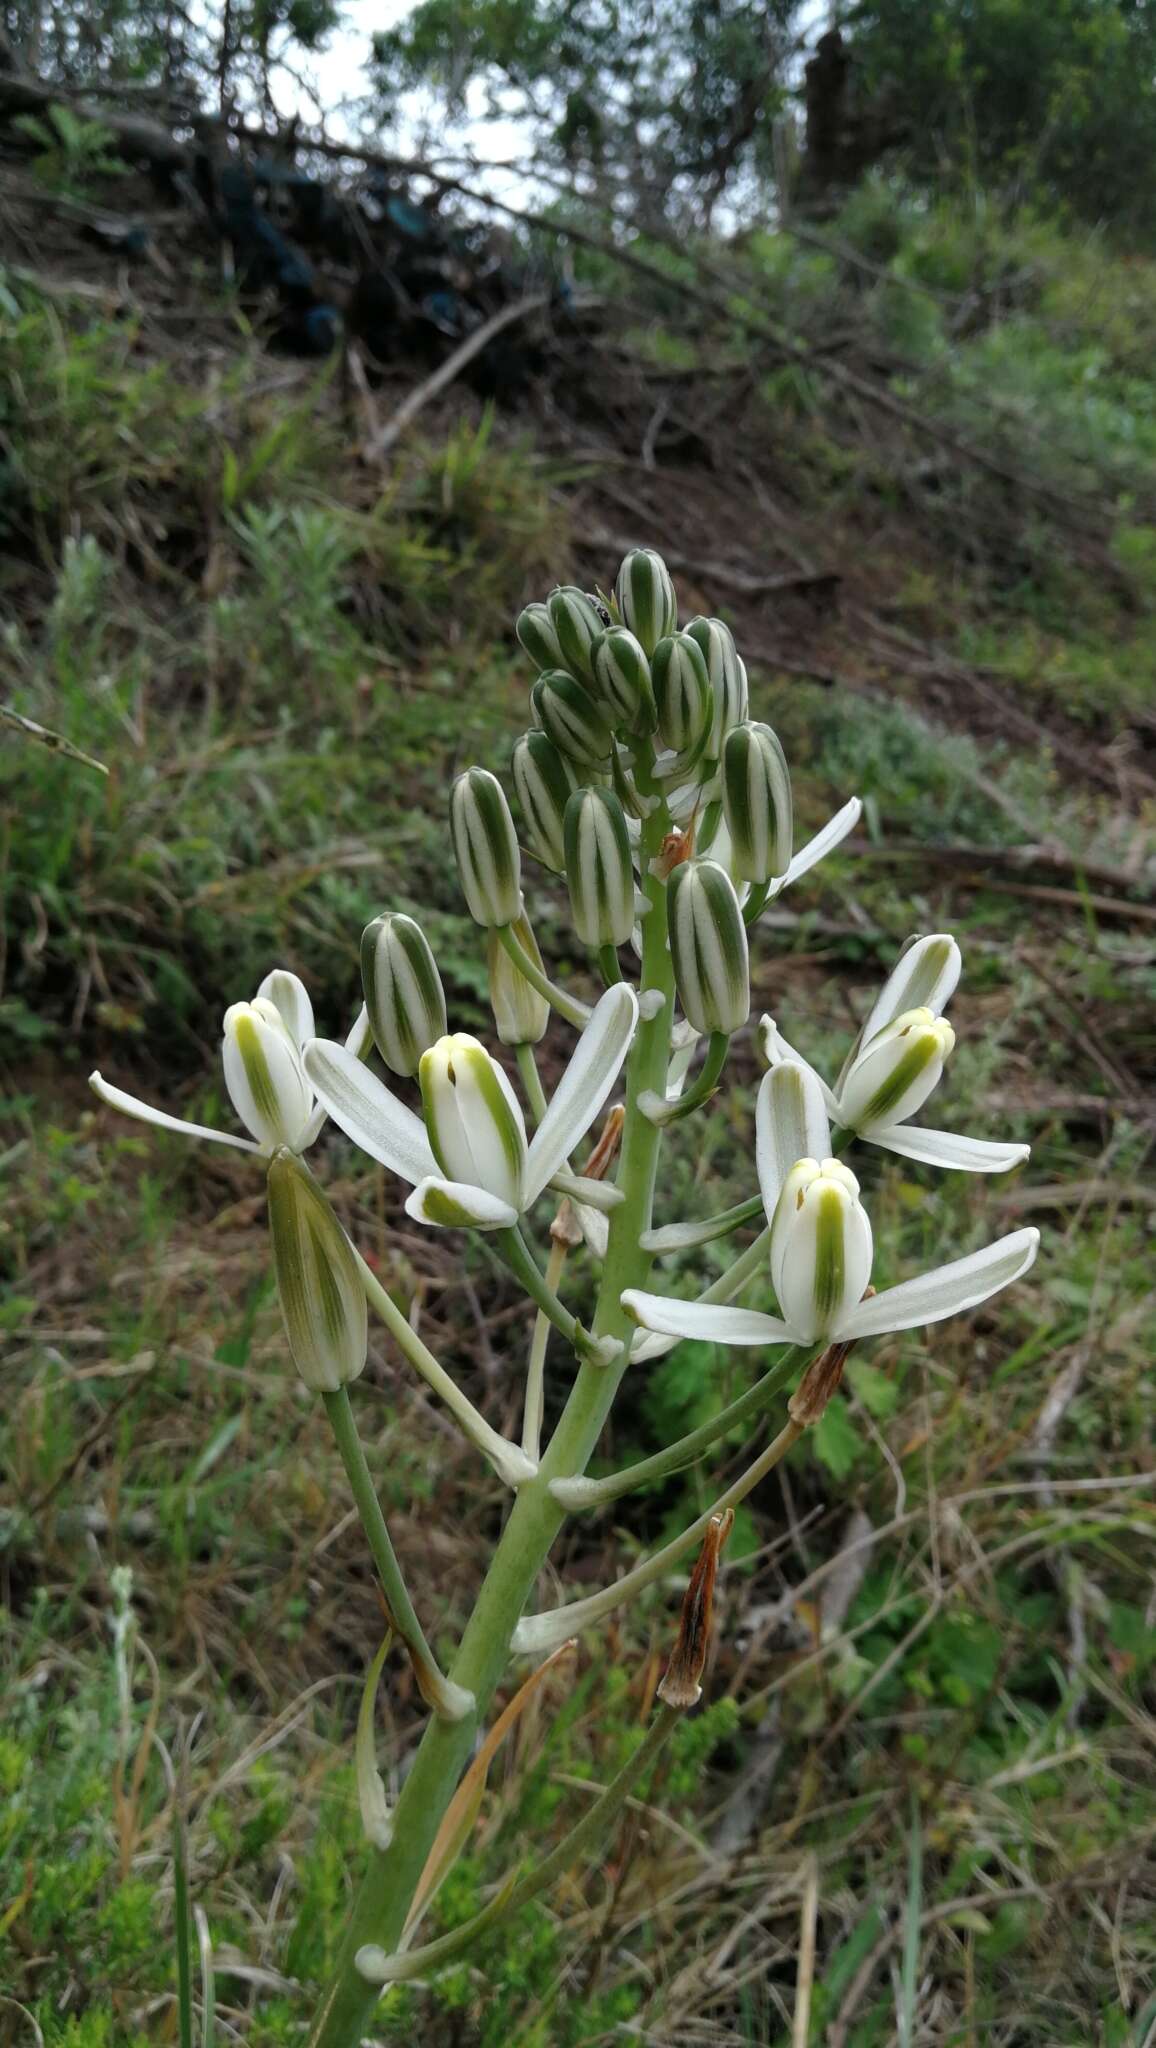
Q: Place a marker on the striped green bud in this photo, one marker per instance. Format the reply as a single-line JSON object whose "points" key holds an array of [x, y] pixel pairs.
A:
{"points": [[403, 991], [577, 624], [545, 782], [622, 674], [318, 1282], [520, 1013], [681, 692], [708, 943], [645, 597], [569, 714], [756, 796], [728, 679], [536, 632], [486, 848], [599, 870]]}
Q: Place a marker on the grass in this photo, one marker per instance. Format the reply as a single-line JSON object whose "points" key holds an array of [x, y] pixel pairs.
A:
{"points": [[281, 662]]}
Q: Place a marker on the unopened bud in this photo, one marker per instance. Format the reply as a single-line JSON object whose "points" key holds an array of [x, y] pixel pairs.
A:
{"points": [[708, 942], [681, 692], [545, 781], [728, 679], [318, 1282], [681, 1685], [403, 991], [577, 624], [645, 597], [599, 869], [568, 713], [486, 848], [535, 630], [622, 675], [520, 1013], [756, 795]]}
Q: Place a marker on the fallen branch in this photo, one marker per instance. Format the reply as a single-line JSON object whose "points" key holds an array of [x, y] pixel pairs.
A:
{"points": [[421, 396], [738, 580]]}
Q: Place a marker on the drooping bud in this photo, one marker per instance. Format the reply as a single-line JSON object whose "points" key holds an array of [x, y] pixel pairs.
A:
{"points": [[681, 692], [757, 807], [599, 870], [645, 597], [569, 715], [264, 1076], [708, 943], [577, 624], [535, 630], [894, 1074], [821, 1247], [545, 781], [520, 1013], [318, 1283], [473, 1119], [728, 679], [486, 848], [622, 674], [403, 991]]}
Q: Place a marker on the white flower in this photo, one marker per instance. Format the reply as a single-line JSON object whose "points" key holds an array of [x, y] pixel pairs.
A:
{"points": [[896, 1062], [469, 1161], [821, 1245], [264, 1075]]}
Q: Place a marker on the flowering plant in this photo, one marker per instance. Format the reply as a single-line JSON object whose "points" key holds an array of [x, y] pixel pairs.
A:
{"points": [[667, 809]]}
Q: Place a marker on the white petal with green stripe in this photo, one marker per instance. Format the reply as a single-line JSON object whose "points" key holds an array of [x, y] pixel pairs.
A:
{"points": [[581, 1092], [896, 1072], [790, 1124], [364, 1109], [318, 1282], [264, 1076], [821, 1247], [458, 1205], [473, 1118], [521, 1015]]}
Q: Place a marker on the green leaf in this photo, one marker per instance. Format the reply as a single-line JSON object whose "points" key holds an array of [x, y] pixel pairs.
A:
{"points": [[879, 1395], [836, 1438]]}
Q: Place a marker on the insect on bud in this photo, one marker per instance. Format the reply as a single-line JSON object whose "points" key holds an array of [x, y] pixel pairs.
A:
{"points": [[486, 848], [756, 796], [545, 781], [645, 597], [571, 718], [708, 942], [520, 1013], [403, 991], [577, 623], [599, 869], [681, 692], [622, 674], [535, 630], [318, 1282], [728, 679]]}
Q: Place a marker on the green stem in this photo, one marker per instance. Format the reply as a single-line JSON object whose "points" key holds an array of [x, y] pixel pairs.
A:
{"points": [[536, 1368], [609, 966], [531, 1081], [575, 1013], [756, 902], [448, 1701], [684, 1237], [524, 1267], [663, 1112], [392, 1875]]}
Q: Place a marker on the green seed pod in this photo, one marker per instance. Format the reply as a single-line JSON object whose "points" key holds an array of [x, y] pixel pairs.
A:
{"points": [[622, 674], [520, 1013], [536, 632], [756, 795], [322, 1297], [577, 624], [403, 991], [645, 597], [599, 869], [708, 944], [486, 848], [568, 713], [545, 782], [681, 691], [728, 679]]}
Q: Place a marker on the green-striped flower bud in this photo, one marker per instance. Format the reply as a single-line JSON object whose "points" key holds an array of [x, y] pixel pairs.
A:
{"points": [[756, 797], [622, 674], [681, 692], [486, 848], [545, 782], [577, 624], [535, 630], [599, 870], [520, 1013], [318, 1282], [708, 943], [728, 679], [568, 713], [645, 597], [403, 991]]}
